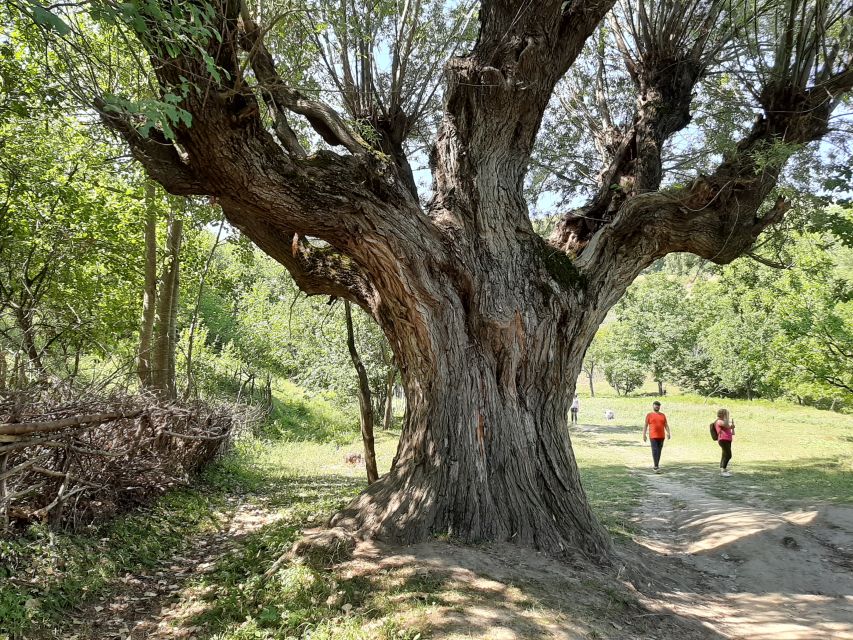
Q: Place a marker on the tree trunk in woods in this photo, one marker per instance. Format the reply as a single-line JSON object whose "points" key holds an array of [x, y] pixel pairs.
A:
{"points": [[660, 387], [3, 370], [28, 337], [194, 322], [174, 252], [163, 361], [488, 322], [366, 414], [149, 295], [4, 505], [485, 452], [388, 419], [591, 389]]}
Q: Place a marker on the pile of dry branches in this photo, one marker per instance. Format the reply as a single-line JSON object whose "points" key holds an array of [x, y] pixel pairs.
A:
{"points": [[69, 463]]}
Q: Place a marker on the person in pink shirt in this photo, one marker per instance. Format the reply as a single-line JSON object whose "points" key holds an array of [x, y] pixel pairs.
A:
{"points": [[725, 427]]}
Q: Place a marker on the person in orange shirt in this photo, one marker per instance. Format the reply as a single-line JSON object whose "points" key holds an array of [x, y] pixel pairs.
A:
{"points": [[656, 426]]}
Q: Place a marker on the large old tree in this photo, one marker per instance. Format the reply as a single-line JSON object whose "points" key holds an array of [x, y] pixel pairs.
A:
{"points": [[488, 321]]}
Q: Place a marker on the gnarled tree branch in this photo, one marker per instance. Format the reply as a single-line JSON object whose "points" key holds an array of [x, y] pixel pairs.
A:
{"points": [[321, 116], [716, 217], [316, 270], [156, 153], [666, 48]]}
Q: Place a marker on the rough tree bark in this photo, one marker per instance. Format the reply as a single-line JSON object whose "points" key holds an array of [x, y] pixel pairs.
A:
{"points": [[365, 404], [24, 316], [488, 322], [165, 340]]}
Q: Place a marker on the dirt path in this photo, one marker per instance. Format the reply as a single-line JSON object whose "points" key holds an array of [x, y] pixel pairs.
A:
{"points": [[718, 568], [155, 605], [752, 572]]}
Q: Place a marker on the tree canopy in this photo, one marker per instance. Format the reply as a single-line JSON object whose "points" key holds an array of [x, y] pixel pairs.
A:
{"points": [[661, 125]]}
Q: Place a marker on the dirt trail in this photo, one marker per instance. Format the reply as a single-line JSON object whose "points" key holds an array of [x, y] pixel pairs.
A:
{"points": [[717, 568], [155, 605], [751, 572]]}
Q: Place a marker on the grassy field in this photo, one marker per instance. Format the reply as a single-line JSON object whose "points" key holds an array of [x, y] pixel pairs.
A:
{"points": [[787, 451], [296, 471]]}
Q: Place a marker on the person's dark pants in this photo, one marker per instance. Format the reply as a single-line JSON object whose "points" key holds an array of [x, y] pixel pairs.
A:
{"points": [[726, 446], [574, 415], [657, 447]]}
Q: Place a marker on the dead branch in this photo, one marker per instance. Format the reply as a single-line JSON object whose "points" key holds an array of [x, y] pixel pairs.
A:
{"points": [[27, 428], [75, 461]]}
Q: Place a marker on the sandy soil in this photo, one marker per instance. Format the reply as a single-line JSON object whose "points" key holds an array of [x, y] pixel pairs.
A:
{"points": [[749, 571], [504, 592]]}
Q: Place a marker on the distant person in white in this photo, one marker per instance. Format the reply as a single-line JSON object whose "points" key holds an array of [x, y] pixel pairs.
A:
{"points": [[608, 414], [576, 406]]}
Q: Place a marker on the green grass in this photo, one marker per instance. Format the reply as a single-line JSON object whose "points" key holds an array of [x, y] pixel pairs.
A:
{"points": [[44, 574], [784, 451], [305, 483], [296, 470], [298, 415]]}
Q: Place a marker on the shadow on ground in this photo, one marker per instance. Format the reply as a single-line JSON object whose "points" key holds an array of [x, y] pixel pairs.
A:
{"points": [[760, 571]]}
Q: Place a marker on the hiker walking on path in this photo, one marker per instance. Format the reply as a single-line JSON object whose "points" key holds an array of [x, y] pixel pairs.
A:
{"points": [[725, 427], [656, 426], [576, 406]]}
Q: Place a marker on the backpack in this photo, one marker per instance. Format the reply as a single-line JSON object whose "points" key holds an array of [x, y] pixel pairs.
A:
{"points": [[714, 434]]}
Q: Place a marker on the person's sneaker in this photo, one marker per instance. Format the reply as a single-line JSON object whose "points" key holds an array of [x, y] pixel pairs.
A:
{"points": [[656, 469], [726, 474]]}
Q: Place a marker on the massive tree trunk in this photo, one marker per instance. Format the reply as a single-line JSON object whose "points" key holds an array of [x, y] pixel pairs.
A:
{"points": [[485, 452], [487, 321]]}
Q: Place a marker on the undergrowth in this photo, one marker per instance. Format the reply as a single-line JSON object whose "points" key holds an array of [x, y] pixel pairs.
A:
{"points": [[43, 574]]}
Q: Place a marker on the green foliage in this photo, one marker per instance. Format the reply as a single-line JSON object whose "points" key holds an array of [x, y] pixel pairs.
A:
{"points": [[660, 323], [46, 18], [67, 241], [621, 359], [747, 330], [256, 322], [161, 114]]}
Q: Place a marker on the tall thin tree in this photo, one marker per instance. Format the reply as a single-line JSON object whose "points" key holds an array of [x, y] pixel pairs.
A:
{"points": [[365, 404]]}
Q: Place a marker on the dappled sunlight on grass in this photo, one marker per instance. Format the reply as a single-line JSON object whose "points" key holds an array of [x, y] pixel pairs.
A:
{"points": [[50, 571], [252, 505], [238, 601], [298, 415]]}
